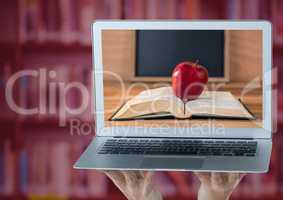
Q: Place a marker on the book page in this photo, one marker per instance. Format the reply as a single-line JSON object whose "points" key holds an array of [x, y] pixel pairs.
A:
{"points": [[152, 103], [145, 103], [218, 103]]}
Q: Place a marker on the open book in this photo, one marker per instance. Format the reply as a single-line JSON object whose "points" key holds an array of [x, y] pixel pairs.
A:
{"points": [[162, 103]]}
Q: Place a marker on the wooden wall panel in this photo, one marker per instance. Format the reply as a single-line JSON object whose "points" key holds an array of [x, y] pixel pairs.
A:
{"points": [[118, 48], [245, 52]]}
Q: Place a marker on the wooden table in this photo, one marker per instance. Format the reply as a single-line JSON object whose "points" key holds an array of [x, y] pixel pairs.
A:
{"points": [[116, 94]]}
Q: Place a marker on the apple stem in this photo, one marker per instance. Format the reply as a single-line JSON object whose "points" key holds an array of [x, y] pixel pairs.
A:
{"points": [[196, 62]]}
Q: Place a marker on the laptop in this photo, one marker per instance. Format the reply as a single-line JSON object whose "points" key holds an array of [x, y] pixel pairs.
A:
{"points": [[130, 62]]}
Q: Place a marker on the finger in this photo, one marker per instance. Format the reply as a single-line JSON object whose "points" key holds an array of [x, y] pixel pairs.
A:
{"points": [[145, 174], [147, 184], [116, 176], [148, 179], [142, 173], [112, 173], [202, 174], [217, 178], [148, 175], [131, 177], [204, 177], [234, 177]]}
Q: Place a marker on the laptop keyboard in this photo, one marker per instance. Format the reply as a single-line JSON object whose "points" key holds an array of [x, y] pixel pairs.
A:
{"points": [[179, 147]]}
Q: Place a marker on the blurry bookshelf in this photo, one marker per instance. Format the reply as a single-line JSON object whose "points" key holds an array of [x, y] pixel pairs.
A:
{"points": [[44, 171], [54, 36], [69, 21]]}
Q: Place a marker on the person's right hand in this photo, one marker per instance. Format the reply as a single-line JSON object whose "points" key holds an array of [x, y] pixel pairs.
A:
{"points": [[135, 185], [217, 186]]}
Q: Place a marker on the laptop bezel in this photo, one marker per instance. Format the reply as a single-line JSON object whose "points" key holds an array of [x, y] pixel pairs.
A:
{"points": [[101, 130]]}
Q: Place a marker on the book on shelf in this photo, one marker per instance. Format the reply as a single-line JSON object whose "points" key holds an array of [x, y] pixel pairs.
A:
{"points": [[37, 168], [86, 80], [86, 17], [46, 169], [9, 168], [250, 9], [161, 9], [58, 88], [77, 176], [23, 167], [134, 9], [23, 92], [70, 20], [5, 74], [60, 169], [212, 9], [277, 22], [233, 9], [65, 21], [187, 9], [161, 103], [97, 184], [108, 9], [2, 170]]}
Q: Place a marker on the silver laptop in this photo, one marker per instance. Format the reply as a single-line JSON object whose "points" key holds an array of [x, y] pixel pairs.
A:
{"points": [[231, 125]]}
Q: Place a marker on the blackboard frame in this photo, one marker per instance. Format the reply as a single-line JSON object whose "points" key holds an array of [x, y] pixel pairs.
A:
{"points": [[224, 78]]}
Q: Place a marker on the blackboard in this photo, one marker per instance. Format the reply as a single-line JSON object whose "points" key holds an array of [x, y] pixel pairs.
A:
{"points": [[159, 51]]}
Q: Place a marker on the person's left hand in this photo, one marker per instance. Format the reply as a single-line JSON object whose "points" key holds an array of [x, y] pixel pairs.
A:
{"points": [[216, 185], [135, 185]]}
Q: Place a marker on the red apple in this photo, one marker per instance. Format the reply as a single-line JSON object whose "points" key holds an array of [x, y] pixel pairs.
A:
{"points": [[189, 80]]}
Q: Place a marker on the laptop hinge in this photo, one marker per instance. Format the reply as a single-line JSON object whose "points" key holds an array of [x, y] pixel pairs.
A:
{"points": [[187, 138]]}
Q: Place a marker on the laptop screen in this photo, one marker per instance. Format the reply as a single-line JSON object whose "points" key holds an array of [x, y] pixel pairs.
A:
{"points": [[182, 78]]}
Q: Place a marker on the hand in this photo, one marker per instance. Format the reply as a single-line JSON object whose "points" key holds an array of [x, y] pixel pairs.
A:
{"points": [[216, 185], [135, 185]]}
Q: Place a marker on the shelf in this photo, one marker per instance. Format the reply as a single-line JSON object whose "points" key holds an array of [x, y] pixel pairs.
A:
{"points": [[55, 47], [7, 122], [278, 51], [48, 123], [7, 127], [33, 125], [8, 52]]}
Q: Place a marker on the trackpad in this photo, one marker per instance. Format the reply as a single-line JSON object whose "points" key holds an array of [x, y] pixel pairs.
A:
{"points": [[172, 163]]}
